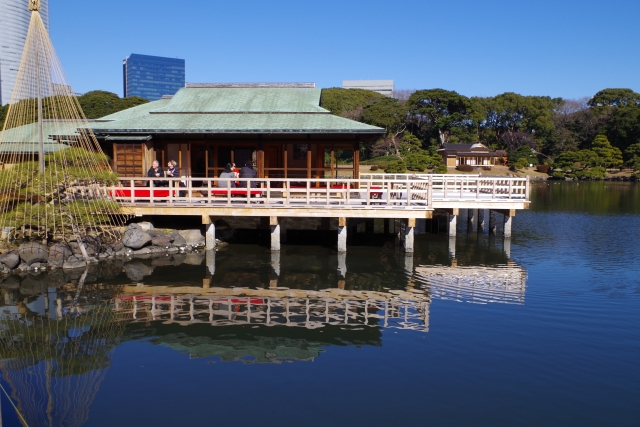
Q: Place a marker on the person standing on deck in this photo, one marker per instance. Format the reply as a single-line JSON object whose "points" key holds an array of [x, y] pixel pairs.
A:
{"points": [[248, 172], [155, 171]]}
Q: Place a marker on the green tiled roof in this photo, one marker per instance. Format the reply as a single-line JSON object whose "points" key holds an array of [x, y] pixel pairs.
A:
{"points": [[235, 123], [244, 100], [233, 110], [138, 111], [24, 139]]}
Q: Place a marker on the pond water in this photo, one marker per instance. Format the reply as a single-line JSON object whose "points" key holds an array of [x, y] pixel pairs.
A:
{"points": [[541, 331]]}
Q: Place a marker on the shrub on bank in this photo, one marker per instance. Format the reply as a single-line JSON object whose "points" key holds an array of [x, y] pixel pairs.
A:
{"points": [[465, 168], [417, 162], [558, 175], [374, 168], [397, 166], [597, 173], [521, 163], [441, 169]]}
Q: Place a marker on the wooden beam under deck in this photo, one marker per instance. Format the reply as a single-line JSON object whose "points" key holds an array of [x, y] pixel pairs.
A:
{"points": [[320, 212], [480, 204]]}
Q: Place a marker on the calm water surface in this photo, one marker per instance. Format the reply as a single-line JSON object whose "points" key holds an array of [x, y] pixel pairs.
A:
{"points": [[543, 331]]}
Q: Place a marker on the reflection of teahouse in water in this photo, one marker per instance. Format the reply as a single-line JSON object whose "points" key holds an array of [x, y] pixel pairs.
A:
{"points": [[54, 353], [481, 285], [275, 307]]}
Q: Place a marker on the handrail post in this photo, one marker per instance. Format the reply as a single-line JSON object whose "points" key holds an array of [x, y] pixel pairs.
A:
{"points": [[287, 187], [527, 189], [430, 192], [328, 191], [268, 191]]}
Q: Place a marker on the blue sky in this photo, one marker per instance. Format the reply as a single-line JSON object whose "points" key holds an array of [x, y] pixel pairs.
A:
{"points": [[564, 48]]}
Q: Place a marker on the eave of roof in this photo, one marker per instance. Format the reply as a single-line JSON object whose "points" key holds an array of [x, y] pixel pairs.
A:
{"points": [[235, 124]]}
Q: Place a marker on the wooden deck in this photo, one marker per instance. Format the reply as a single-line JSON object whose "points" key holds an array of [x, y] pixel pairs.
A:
{"points": [[377, 196]]}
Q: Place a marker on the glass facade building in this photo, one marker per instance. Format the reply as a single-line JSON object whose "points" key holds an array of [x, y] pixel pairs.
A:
{"points": [[14, 24], [151, 77]]}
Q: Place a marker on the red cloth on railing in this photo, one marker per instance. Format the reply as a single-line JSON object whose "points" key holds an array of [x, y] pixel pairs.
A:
{"points": [[141, 193], [234, 192]]}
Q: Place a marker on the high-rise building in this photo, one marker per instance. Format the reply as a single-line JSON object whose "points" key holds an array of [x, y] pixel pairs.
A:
{"points": [[384, 87], [151, 77], [14, 24]]}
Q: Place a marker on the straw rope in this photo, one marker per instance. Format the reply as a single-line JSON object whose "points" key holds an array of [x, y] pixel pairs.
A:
{"points": [[70, 198]]}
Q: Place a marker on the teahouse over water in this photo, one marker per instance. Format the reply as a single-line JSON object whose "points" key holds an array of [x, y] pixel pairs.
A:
{"points": [[469, 154], [280, 128]]}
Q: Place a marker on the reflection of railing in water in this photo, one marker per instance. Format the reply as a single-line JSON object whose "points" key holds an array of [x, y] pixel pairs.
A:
{"points": [[475, 284], [281, 308]]}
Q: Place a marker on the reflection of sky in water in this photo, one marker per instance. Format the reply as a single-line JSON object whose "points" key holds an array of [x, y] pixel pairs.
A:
{"points": [[543, 338]]}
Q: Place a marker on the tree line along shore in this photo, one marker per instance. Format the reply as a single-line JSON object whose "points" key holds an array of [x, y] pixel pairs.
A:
{"points": [[569, 138]]}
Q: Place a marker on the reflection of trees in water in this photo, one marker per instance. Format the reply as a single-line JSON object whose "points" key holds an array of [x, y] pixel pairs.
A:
{"points": [[586, 197], [55, 363]]}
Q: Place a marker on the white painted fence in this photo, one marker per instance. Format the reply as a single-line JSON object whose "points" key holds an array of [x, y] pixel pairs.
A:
{"points": [[406, 193]]}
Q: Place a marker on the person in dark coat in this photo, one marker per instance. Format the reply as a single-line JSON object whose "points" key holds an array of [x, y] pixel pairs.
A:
{"points": [[248, 172], [155, 171]]}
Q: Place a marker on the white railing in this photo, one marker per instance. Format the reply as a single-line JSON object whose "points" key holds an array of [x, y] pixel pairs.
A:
{"points": [[407, 193]]}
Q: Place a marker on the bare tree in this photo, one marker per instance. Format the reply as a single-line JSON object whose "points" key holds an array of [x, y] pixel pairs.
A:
{"points": [[403, 95], [515, 140], [355, 114]]}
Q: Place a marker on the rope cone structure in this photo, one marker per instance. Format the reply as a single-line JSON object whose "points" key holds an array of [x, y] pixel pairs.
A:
{"points": [[54, 177]]}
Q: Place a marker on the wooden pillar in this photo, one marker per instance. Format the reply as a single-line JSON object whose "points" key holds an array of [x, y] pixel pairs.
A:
{"points": [[356, 163], [332, 163], [453, 222], [342, 235], [260, 161], [507, 226], [408, 235], [286, 158], [210, 234], [309, 162], [275, 233]]}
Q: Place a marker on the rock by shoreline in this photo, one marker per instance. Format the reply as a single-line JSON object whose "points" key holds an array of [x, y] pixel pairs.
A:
{"points": [[138, 241]]}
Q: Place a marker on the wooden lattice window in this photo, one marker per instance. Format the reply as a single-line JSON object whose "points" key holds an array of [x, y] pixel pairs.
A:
{"points": [[129, 159]]}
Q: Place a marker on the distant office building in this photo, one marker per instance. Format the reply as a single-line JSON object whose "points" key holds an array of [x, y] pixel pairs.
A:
{"points": [[14, 24], [151, 77], [385, 87]]}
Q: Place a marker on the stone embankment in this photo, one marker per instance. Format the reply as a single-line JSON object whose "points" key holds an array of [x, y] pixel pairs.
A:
{"points": [[138, 241]]}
